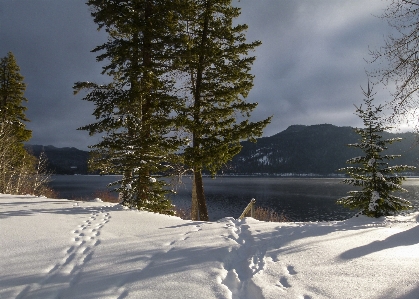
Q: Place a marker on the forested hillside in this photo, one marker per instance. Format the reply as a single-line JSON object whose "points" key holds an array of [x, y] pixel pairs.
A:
{"points": [[66, 160], [318, 149]]}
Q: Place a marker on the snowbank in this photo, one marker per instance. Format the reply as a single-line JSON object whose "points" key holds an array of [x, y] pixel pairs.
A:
{"points": [[66, 249]]}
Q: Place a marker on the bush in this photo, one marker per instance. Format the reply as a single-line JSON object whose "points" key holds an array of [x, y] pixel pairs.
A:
{"points": [[21, 172]]}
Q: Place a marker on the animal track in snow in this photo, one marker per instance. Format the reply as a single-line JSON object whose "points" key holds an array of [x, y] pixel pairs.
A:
{"points": [[183, 237], [65, 274]]}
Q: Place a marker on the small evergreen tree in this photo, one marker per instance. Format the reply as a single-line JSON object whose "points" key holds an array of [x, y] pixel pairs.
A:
{"points": [[371, 172]]}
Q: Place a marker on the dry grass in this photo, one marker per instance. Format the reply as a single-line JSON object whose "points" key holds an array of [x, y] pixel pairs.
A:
{"points": [[269, 215], [43, 190], [49, 193], [184, 214], [106, 196]]}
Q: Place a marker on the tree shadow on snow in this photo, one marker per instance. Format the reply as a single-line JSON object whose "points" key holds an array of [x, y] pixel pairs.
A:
{"points": [[24, 209], [394, 293], [190, 223], [146, 270], [405, 238], [277, 241]]}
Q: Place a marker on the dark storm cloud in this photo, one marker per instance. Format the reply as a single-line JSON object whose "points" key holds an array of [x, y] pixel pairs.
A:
{"points": [[311, 65], [308, 71], [52, 41]]}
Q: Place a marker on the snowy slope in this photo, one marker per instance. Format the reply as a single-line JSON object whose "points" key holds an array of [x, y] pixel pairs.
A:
{"points": [[66, 249]]}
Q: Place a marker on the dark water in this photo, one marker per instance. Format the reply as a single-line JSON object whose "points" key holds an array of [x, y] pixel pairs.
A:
{"points": [[300, 199], [80, 186]]}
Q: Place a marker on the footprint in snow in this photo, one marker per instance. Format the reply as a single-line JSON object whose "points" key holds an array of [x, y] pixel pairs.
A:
{"points": [[291, 270], [283, 282]]}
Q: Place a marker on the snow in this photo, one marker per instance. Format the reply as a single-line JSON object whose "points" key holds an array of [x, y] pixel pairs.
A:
{"points": [[375, 196], [53, 248], [371, 162]]}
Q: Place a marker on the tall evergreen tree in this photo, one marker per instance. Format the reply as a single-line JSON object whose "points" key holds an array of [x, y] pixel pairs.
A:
{"points": [[372, 173], [217, 67], [135, 110], [12, 89], [15, 163]]}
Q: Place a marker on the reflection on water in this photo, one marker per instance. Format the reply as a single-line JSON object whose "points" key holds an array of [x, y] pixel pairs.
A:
{"points": [[300, 199]]}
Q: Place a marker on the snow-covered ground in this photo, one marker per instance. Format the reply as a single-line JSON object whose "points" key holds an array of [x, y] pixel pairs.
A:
{"points": [[65, 249]]}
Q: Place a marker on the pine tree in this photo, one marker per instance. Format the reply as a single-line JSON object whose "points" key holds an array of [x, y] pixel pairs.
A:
{"points": [[19, 171], [12, 89], [216, 66], [13, 132], [135, 110], [372, 172]]}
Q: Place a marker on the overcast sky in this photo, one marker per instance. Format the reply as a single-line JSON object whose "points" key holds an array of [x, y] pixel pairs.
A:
{"points": [[308, 70]]}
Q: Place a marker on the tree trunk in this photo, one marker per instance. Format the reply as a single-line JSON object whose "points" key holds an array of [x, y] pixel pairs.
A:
{"points": [[198, 188], [200, 196], [123, 195], [194, 207], [146, 110]]}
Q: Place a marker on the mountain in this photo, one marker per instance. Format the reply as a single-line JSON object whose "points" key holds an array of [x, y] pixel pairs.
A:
{"points": [[320, 149], [66, 160]]}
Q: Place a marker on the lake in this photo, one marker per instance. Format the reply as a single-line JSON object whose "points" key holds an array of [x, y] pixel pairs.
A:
{"points": [[299, 199]]}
